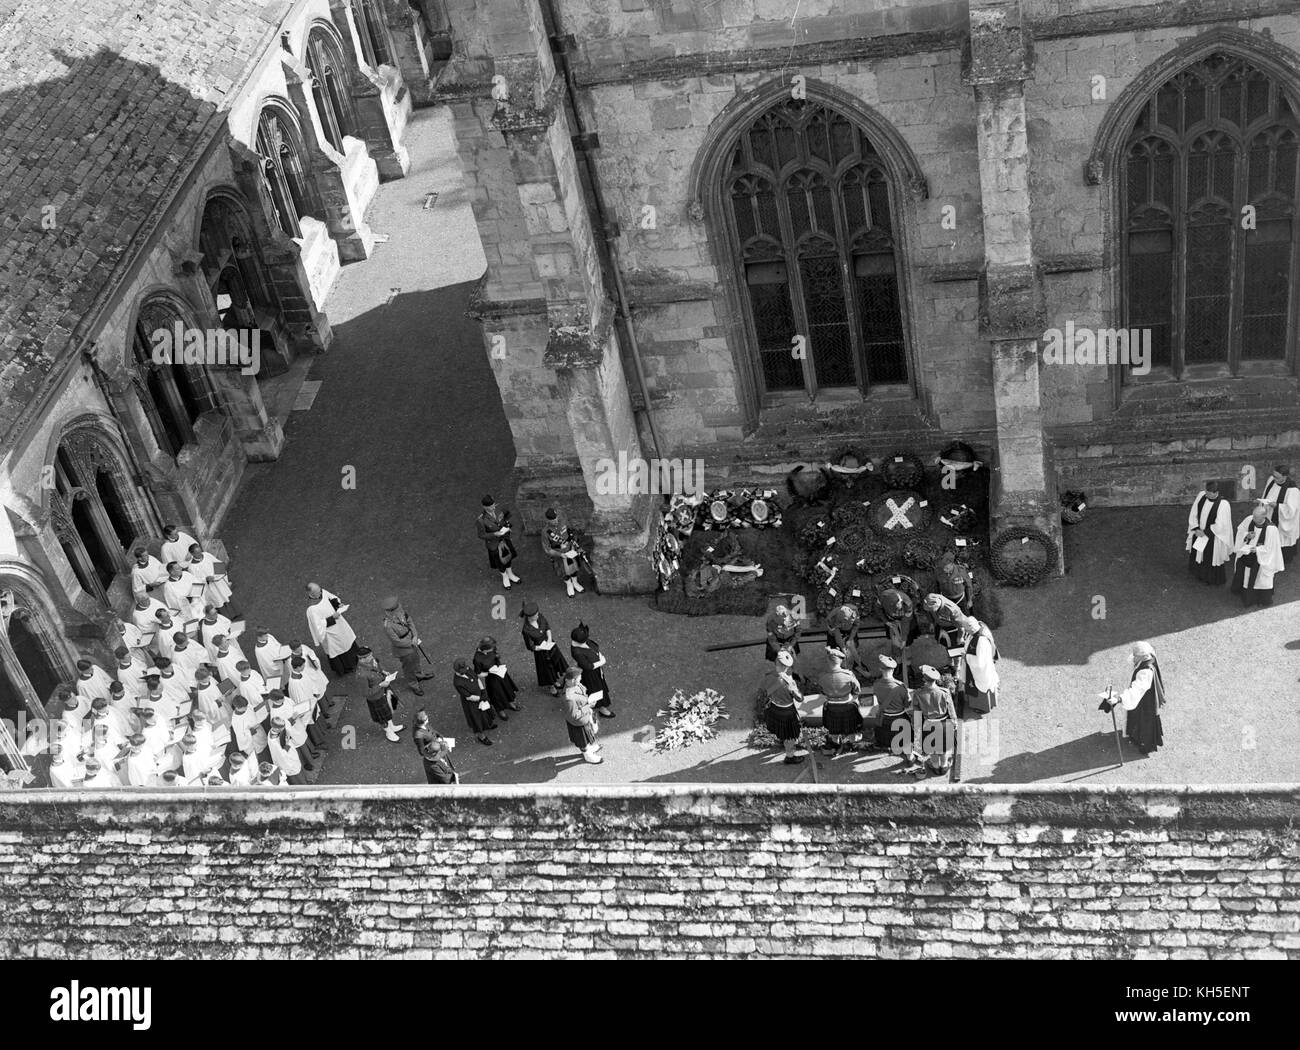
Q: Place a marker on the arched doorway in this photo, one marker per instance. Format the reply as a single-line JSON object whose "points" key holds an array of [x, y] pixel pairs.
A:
{"points": [[176, 394], [241, 289]]}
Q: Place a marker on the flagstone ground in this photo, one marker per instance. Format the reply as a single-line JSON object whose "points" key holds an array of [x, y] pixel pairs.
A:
{"points": [[408, 401]]}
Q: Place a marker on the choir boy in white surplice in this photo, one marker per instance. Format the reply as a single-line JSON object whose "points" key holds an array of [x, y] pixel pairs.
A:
{"points": [[243, 771], [129, 668], [311, 669], [206, 569], [140, 768], [164, 643], [147, 572], [1282, 493], [66, 770], [213, 625], [144, 615], [303, 693], [228, 659], [100, 775], [247, 726], [92, 680], [174, 688], [176, 545], [208, 700], [187, 657], [1209, 536], [266, 651], [330, 630], [178, 592], [1258, 557]]}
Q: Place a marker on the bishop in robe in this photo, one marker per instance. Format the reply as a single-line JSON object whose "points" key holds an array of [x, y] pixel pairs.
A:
{"points": [[979, 686], [1282, 493], [1143, 699], [330, 630], [1209, 535], [1258, 552]]}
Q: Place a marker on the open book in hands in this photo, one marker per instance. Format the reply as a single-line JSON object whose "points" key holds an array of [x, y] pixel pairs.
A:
{"points": [[544, 646], [498, 669], [596, 697]]}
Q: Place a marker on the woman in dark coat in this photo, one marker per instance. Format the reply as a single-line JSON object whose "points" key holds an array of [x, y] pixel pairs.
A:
{"points": [[478, 712], [500, 689], [587, 655], [550, 662]]}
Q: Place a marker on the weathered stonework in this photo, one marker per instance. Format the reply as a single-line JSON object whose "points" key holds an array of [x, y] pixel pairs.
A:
{"points": [[653, 872]]}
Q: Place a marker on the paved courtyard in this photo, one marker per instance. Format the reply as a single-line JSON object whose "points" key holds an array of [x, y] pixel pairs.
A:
{"points": [[408, 401]]}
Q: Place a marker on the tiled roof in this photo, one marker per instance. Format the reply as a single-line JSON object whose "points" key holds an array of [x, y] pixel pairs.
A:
{"points": [[104, 107]]}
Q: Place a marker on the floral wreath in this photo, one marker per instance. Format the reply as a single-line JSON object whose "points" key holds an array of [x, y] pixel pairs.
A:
{"points": [[903, 470], [920, 553], [908, 505]]}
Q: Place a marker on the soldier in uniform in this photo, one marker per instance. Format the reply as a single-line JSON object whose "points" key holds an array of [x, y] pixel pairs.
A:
{"points": [[406, 643], [379, 697], [558, 545], [946, 615], [895, 701], [842, 633], [783, 629], [935, 725], [840, 715], [780, 714], [493, 527], [955, 582], [900, 619]]}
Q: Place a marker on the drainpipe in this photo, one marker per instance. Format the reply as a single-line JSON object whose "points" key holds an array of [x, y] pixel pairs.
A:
{"points": [[584, 143]]}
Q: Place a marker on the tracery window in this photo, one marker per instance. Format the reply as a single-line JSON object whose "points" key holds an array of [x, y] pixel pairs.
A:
{"points": [[173, 395], [283, 170], [374, 37], [1209, 195], [811, 217], [333, 103]]}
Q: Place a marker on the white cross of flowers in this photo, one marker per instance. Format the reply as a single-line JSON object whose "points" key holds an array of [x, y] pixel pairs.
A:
{"points": [[898, 515]]}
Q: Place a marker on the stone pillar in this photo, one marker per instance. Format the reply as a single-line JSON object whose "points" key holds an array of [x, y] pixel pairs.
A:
{"points": [[413, 47], [543, 254], [1011, 307], [308, 326]]}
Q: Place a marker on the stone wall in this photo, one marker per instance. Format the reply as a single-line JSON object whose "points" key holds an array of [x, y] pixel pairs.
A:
{"points": [[650, 871]]}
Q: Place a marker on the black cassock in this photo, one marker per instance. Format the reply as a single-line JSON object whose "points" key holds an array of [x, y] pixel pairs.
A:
{"points": [[593, 678], [550, 663], [500, 691], [479, 721], [1143, 723]]}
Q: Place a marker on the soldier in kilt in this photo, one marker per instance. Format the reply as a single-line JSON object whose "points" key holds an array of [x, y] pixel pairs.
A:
{"points": [[780, 713], [840, 715]]}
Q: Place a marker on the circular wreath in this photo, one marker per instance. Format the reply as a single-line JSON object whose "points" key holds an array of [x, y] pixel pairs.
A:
{"points": [[1022, 555], [967, 553], [843, 458], [961, 518], [903, 470], [815, 534], [920, 553], [900, 582], [914, 508], [820, 566], [1073, 504], [826, 601], [876, 558], [851, 541], [851, 513]]}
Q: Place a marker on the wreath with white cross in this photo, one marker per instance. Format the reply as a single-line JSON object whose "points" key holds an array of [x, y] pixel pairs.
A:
{"points": [[900, 514]]}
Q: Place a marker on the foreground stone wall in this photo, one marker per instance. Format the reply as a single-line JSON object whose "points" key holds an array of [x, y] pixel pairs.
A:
{"points": [[737, 871]]}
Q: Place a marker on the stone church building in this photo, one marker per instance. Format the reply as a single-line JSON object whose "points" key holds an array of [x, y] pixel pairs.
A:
{"points": [[167, 162], [673, 194]]}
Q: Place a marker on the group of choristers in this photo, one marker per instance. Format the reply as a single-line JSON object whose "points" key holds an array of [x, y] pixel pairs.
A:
{"points": [[919, 724], [1262, 546], [183, 704]]}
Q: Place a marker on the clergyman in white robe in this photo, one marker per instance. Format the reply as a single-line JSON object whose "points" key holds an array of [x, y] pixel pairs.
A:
{"points": [[1258, 553], [1209, 536], [216, 589], [1282, 493], [330, 630]]}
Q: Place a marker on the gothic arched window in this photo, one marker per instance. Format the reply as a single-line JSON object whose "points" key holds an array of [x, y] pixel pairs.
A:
{"points": [[1209, 196], [283, 170], [333, 104], [173, 395], [810, 210], [374, 36]]}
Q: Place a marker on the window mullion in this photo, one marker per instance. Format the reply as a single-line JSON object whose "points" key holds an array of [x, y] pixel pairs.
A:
{"points": [[1177, 355], [857, 338], [1237, 261], [791, 248]]}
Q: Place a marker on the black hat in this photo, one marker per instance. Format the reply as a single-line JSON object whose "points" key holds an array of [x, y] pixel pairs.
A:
{"points": [[362, 650], [487, 501], [551, 515], [529, 609], [461, 664], [580, 633]]}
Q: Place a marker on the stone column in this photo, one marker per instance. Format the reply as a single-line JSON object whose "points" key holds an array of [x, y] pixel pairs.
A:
{"points": [[515, 143], [1011, 307]]}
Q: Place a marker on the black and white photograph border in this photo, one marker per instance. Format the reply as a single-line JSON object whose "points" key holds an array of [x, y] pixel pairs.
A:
{"points": [[621, 479]]}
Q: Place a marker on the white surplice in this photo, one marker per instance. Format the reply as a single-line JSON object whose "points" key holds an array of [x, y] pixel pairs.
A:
{"points": [[1288, 511], [1219, 530], [336, 639], [1269, 554], [218, 591], [178, 550]]}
